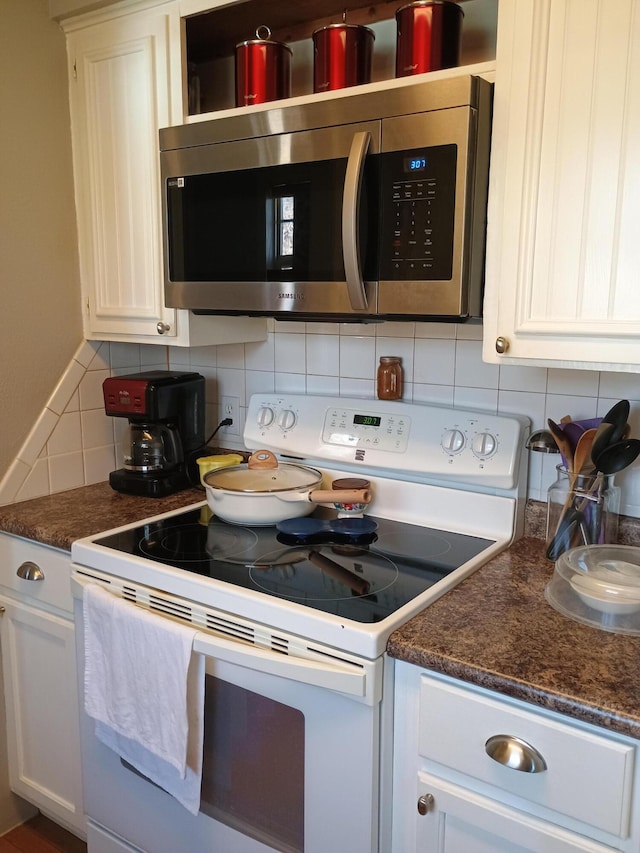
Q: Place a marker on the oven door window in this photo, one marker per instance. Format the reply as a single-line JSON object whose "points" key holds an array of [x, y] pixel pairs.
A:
{"points": [[253, 777]]}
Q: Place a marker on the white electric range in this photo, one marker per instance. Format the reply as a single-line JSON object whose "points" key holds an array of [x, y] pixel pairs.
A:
{"points": [[288, 641]]}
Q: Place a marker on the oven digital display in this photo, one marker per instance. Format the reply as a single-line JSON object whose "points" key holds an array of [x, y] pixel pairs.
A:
{"points": [[367, 420]]}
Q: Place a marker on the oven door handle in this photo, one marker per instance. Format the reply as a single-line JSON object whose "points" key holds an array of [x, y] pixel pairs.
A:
{"points": [[332, 675], [350, 219]]}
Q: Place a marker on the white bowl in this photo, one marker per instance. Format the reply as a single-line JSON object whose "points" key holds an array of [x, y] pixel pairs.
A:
{"points": [[605, 586], [615, 604]]}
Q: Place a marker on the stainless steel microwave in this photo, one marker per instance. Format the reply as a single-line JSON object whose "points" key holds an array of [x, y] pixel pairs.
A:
{"points": [[362, 206]]}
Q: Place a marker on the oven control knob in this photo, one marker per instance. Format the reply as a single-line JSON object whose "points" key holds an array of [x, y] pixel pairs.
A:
{"points": [[265, 416], [484, 445], [453, 441], [287, 419]]}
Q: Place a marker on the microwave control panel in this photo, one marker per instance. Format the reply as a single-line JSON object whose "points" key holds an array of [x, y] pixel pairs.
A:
{"points": [[418, 188]]}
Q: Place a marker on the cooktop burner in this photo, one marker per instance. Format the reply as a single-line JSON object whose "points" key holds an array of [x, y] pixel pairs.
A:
{"points": [[365, 579]]}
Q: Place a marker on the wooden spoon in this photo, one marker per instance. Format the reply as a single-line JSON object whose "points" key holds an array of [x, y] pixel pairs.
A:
{"points": [[582, 464], [563, 443], [582, 461]]}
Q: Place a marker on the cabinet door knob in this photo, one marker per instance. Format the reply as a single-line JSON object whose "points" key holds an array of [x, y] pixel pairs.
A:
{"points": [[502, 345], [162, 328], [29, 571], [425, 802], [2, 610], [515, 753]]}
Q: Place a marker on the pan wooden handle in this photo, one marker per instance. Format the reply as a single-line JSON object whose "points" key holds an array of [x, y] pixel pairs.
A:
{"points": [[340, 496]]}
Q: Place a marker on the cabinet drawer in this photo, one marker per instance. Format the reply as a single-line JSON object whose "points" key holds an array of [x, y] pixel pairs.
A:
{"points": [[53, 590], [587, 777]]}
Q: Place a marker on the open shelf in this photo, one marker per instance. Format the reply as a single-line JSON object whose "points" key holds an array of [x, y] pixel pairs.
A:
{"points": [[214, 35], [211, 36]]}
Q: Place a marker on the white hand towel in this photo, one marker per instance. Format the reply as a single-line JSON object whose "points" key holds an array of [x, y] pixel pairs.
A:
{"points": [[145, 690]]}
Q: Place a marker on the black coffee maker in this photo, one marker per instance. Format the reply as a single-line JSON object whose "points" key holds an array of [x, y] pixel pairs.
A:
{"points": [[165, 409]]}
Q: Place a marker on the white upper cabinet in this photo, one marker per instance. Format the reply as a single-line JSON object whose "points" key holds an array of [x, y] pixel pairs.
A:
{"points": [[125, 83], [563, 251]]}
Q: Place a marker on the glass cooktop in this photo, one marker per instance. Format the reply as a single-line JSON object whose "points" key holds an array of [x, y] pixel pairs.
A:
{"points": [[360, 569]]}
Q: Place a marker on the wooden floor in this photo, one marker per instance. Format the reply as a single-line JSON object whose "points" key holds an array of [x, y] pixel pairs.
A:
{"points": [[41, 835]]}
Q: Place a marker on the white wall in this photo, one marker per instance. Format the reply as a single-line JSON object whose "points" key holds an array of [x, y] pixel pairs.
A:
{"points": [[38, 256], [42, 324]]}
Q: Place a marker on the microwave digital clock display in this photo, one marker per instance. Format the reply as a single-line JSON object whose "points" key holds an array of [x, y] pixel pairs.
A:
{"points": [[367, 420], [415, 163]]}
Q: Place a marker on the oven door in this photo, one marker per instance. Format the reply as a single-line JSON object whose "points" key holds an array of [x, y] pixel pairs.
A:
{"points": [[291, 758], [283, 223]]}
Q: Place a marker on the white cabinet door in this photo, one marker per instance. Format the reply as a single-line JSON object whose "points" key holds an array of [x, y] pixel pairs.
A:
{"points": [[563, 249], [451, 795], [119, 94], [459, 821], [43, 734], [125, 84]]}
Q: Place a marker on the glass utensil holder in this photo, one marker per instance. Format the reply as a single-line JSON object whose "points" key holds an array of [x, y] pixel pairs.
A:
{"points": [[582, 509]]}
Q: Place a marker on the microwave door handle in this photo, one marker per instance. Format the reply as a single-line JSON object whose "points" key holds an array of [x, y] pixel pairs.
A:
{"points": [[350, 206]]}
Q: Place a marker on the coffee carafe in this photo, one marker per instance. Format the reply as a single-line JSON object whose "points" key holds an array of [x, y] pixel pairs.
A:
{"points": [[165, 410], [149, 447]]}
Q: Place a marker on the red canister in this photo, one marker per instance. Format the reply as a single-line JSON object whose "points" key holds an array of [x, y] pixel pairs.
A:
{"points": [[263, 69], [342, 55], [428, 36]]}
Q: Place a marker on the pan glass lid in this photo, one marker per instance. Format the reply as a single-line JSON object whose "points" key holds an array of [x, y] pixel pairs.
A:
{"points": [[256, 481]]}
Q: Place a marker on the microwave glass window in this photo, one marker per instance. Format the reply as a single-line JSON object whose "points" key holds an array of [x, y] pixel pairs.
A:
{"points": [[276, 223], [253, 765], [288, 238], [285, 225]]}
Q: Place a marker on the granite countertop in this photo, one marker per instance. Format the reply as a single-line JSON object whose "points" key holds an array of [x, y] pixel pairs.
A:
{"points": [[58, 520], [496, 630]]}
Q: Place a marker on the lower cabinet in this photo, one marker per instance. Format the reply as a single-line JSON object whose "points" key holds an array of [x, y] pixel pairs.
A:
{"points": [[456, 820], [39, 671], [478, 772]]}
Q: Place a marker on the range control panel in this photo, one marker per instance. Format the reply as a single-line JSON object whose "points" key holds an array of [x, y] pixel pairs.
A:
{"points": [[351, 428], [450, 444]]}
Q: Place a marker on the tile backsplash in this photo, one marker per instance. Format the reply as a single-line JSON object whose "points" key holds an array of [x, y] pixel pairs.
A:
{"points": [[74, 443]]}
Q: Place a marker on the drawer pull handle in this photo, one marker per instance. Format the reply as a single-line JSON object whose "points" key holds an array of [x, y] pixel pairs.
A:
{"points": [[29, 571], [515, 753]]}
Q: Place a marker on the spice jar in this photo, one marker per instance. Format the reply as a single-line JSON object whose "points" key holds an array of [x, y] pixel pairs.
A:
{"points": [[347, 510], [390, 378]]}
